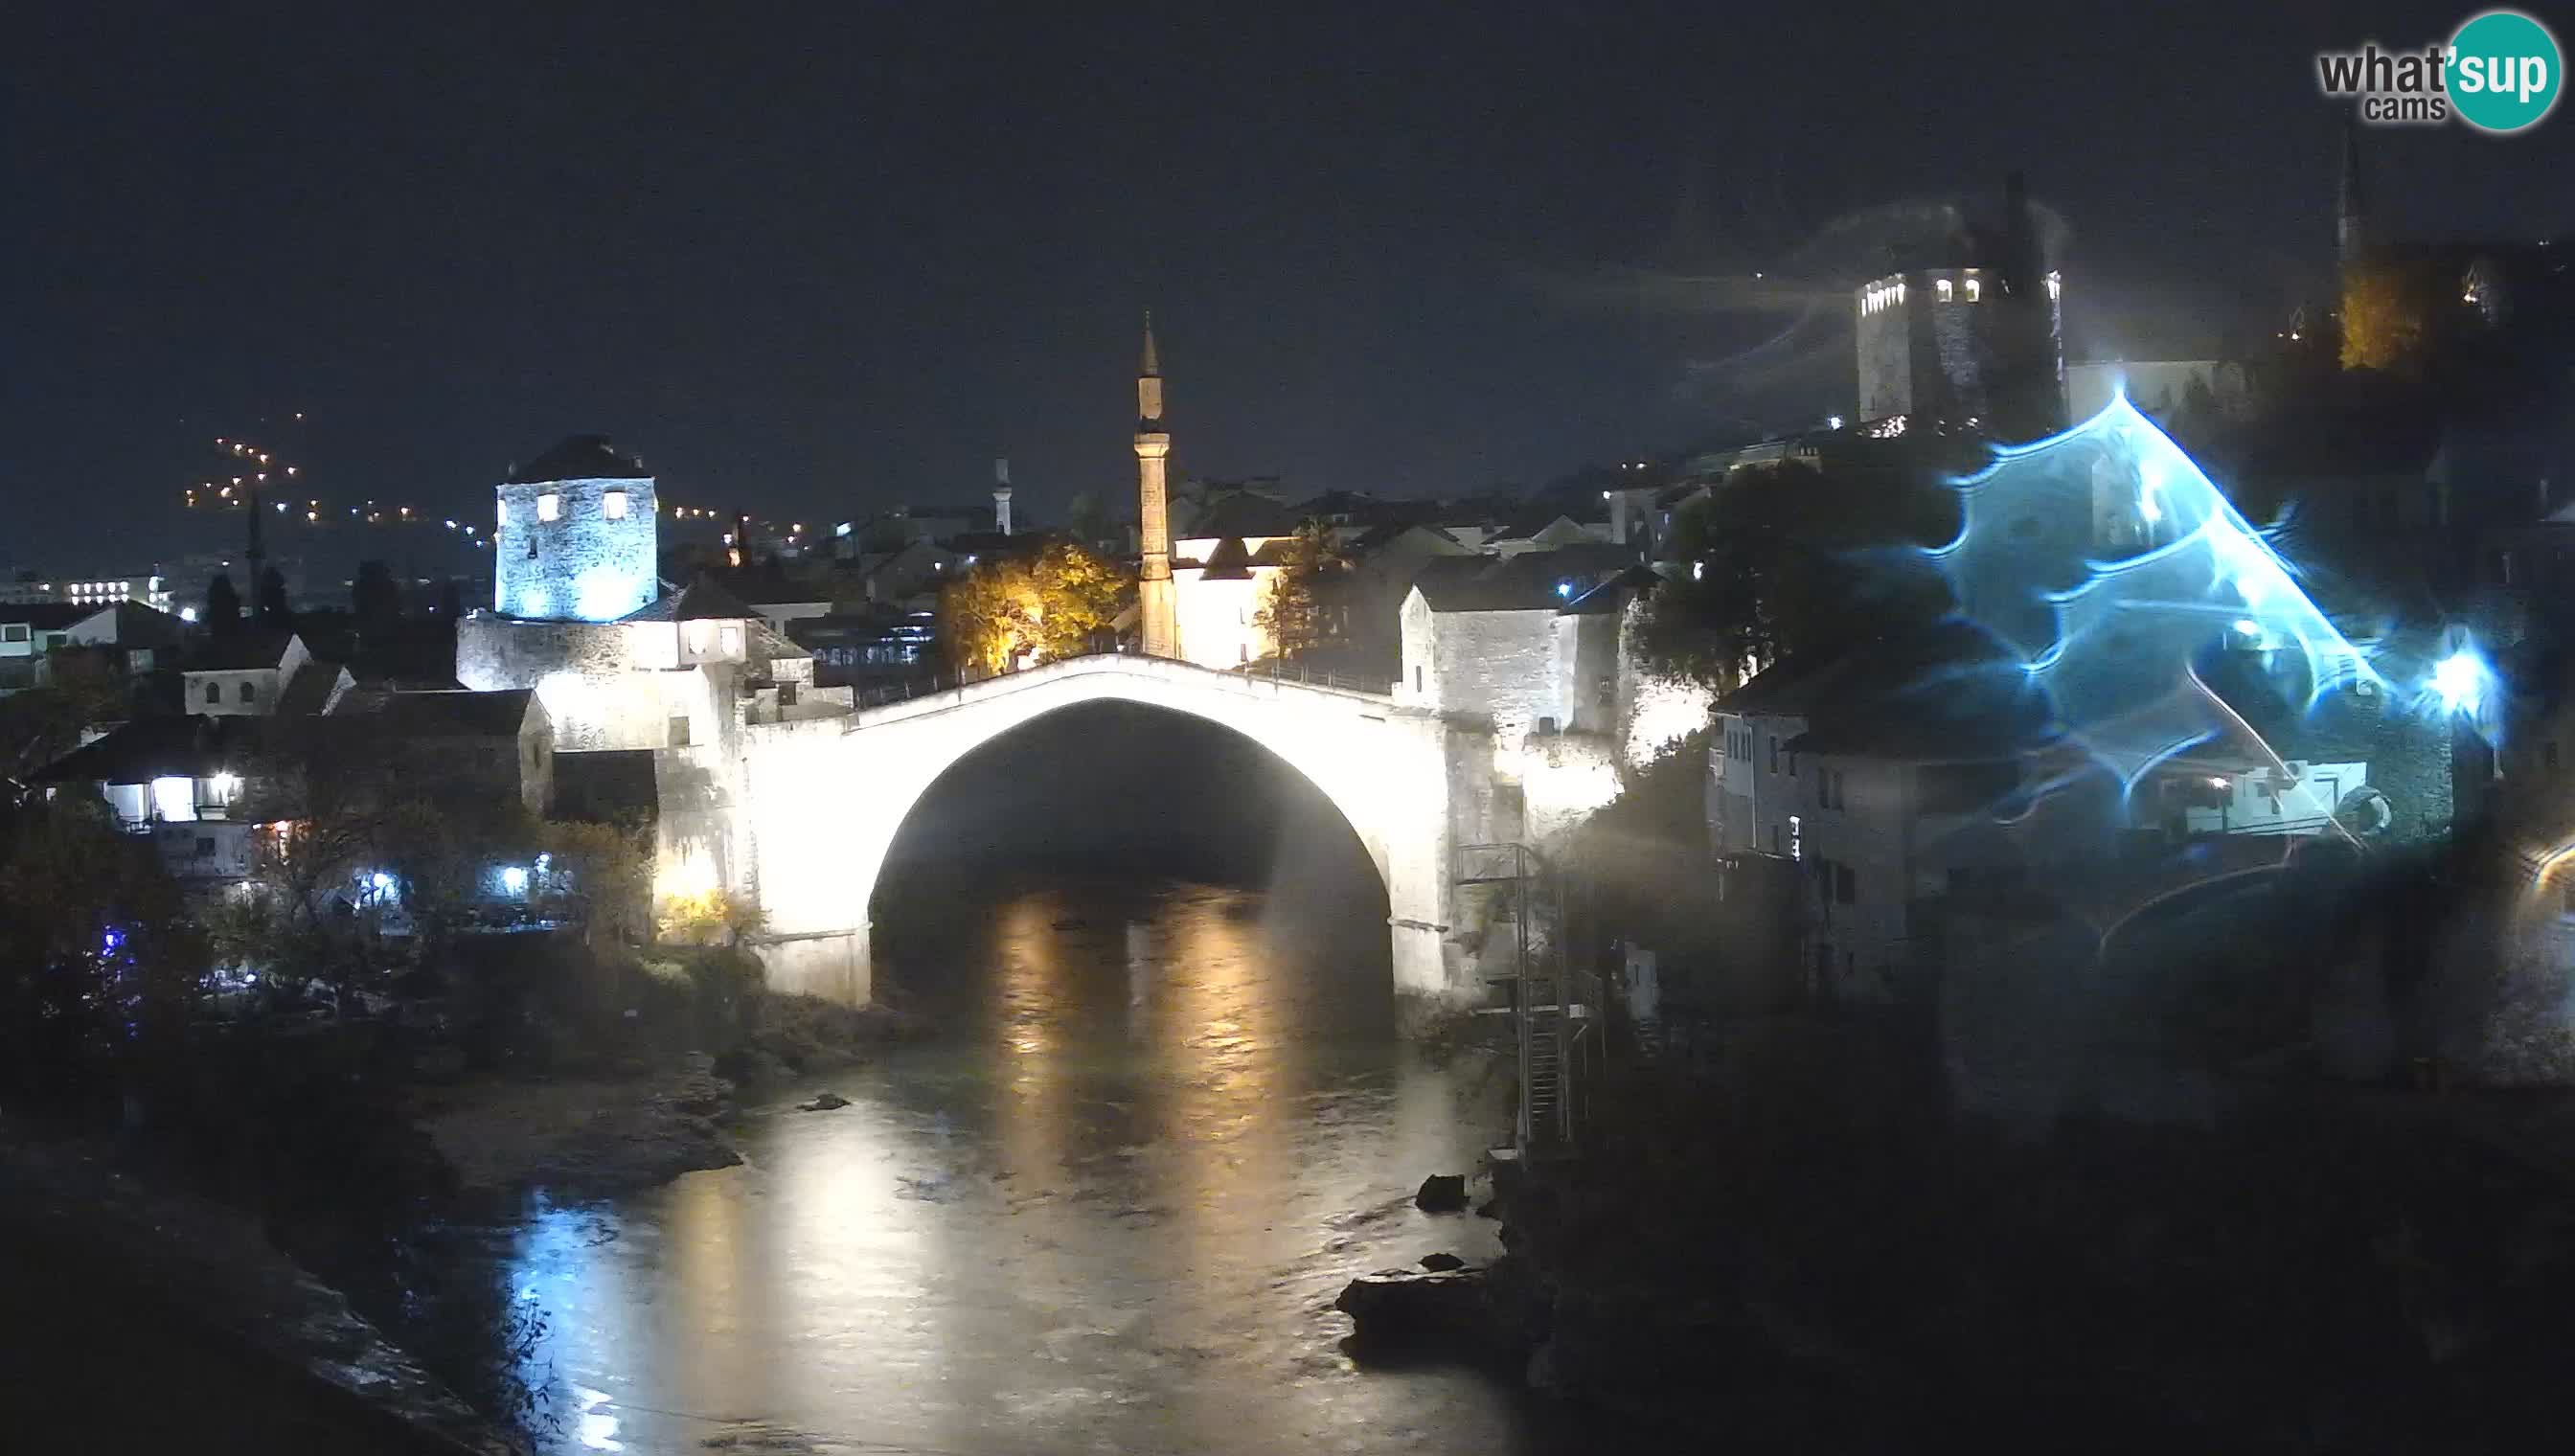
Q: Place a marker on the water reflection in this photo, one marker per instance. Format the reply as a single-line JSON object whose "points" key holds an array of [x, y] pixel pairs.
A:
{"points": [[1109, 1211]]}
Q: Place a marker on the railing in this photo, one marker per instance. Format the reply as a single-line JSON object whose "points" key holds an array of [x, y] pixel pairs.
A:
{"points": [[949, 681], [1277, 673]]}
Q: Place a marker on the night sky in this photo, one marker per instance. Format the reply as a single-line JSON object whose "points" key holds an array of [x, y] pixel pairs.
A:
{"points": [[818, 260]]}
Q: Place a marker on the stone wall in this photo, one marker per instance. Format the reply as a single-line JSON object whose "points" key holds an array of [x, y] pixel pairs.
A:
{"points": [[582, 565], [584, 673]]}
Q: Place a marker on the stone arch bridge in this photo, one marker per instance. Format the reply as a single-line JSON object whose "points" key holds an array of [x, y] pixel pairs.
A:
{"points": [[801, 813]]}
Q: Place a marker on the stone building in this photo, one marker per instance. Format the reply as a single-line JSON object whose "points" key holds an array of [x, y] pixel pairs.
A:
{"points": [[1970, 339], [575, 536]]}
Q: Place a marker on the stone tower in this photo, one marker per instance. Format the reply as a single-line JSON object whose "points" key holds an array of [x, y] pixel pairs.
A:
{"points": [[1155, 600], [1002, 495], [575, 536]]}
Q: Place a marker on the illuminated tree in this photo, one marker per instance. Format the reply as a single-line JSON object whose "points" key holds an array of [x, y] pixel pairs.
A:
{"points": [[1078, 597], [2382, 318], [1291, 617], [1053, 607]]}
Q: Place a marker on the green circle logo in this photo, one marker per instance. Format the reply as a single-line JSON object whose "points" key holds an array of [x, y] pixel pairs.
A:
{"points": [[2504, 71]]}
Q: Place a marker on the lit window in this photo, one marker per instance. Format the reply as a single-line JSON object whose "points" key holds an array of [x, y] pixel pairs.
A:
{"points": [[549, 506], [1899, 290], [174, 800], [1943, 286], [730, 638], [1975, 289], [2055, 286], [612, 505]]}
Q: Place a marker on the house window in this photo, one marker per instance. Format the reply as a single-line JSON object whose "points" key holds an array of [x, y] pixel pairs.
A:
{"points": [[250, 692], [612, 505], [549, 506], [13, 632], [730, 638], [1975, 289], [1943, 286], [1797, 837], [214, 692]]}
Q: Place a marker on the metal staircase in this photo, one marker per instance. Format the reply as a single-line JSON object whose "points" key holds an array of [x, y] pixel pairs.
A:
{"points": [[1555, 1009]]}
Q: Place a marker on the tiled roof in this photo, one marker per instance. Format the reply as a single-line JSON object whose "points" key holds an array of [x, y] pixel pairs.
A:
{"points": [[579, 458]]}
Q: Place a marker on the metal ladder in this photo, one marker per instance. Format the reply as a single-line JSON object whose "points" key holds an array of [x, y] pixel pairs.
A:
{"points": [[1556, 1025]]}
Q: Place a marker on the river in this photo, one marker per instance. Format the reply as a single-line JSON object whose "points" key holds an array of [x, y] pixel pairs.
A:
{"points": [[1106, 1209]]}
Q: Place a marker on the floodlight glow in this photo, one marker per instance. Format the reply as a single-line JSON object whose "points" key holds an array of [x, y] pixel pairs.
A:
{"points": [[2113, 642], [514, 879]]}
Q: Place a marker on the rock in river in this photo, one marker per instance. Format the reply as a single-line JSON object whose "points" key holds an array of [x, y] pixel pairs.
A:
{"points": [[1404, 1305], [1442, 1194], [822, 1102], [1441, 1263]]}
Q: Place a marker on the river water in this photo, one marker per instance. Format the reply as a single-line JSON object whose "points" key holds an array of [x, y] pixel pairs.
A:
{"points": [[1106, 1209]]}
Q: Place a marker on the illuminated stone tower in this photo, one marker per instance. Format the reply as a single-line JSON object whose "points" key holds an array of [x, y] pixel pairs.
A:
{"points": [[576, 536], [1154, 599]]}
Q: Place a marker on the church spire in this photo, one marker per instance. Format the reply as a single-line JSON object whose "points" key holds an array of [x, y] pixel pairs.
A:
{"points": [[2351, 204]]}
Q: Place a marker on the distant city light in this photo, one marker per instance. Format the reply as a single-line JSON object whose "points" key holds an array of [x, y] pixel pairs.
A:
{"points": [[1832, 421], [1564, 589], [186, 614]]}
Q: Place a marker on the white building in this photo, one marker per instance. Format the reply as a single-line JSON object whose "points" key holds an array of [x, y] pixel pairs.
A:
{"points": [[1881, 777], [260, 674], [149, 589]]}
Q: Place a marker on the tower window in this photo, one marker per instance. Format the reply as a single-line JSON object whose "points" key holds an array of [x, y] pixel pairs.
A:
{"points": [[1975, 289], [1943, 286], [549, 506], [612, 505]]}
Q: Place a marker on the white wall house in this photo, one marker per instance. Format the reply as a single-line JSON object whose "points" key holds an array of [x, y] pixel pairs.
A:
{"points": [[1883, 781]]}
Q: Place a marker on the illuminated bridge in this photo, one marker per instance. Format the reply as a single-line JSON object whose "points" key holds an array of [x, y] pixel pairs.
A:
{"points": [[818, 801]]}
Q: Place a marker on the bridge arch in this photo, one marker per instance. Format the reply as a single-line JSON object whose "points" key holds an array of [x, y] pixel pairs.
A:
{"points": [[821, 800]]}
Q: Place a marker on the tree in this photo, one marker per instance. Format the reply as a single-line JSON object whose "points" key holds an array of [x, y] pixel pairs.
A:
{"points": [[223, 606], [1053, 607], [272, 599], [1787, 560], [1292, 615], [1078, 597], [374, 600], [2382, 317], [97, 956], [600, 875], [450, 600]]}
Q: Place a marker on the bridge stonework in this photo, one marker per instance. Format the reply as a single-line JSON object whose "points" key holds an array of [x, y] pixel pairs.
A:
{"points": [[816, 803]]}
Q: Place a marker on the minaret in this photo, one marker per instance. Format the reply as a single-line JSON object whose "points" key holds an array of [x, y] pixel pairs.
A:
{"points": [[2351, 205], [1155, 598], [1002, 495]]}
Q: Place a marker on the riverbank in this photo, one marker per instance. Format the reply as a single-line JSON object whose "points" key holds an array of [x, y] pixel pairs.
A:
{"points": [[142, 1317], [1810, 1241]]}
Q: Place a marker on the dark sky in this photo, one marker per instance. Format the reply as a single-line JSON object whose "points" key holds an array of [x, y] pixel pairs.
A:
{"points": [[821, 262]]}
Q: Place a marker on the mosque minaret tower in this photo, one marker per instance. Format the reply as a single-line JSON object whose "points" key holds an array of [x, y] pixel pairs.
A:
{"points": [[1154, 599]]}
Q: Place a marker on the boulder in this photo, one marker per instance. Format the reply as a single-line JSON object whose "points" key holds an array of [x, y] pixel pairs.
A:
{"points": [[822, 1102], [700, 1094], [1442, 1194], [1441, 1263], [1409, 1305]]}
